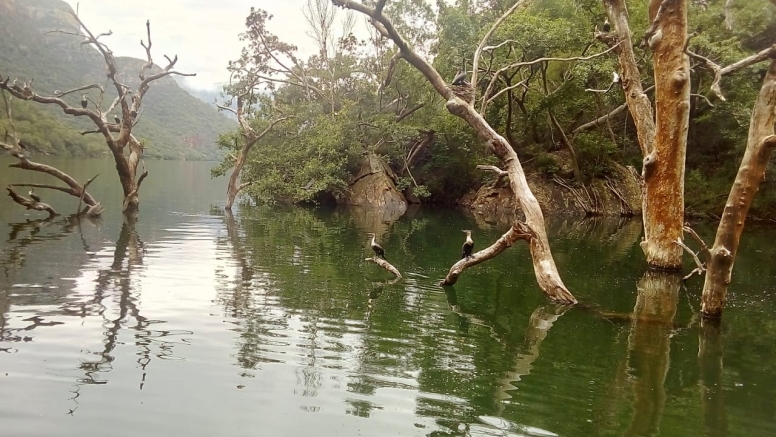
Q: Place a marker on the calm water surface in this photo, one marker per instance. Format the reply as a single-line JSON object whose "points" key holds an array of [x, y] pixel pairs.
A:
{"points": [[186, 321]]}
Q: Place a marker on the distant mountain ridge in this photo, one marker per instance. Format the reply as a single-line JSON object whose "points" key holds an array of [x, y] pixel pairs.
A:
{"points": [[173, 123]]}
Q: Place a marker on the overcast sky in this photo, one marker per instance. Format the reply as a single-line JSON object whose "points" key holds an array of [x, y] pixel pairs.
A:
{"points": [[203, 33]]}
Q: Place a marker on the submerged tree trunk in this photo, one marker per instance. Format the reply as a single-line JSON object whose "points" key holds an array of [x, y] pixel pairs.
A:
{"points": [[546, 271], [663, 141], [664, 167], [751, 173]]}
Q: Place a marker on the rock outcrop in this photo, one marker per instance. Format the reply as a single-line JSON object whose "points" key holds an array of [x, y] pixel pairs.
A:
{"points": [[375, 187], [616, 195]]}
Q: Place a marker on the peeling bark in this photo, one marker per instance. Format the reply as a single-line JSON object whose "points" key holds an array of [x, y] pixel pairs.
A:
{"points": [[664, 182], [751, 173], [545, 269], [663, 134]]}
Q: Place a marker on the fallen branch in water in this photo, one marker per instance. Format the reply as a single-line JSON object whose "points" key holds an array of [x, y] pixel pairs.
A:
{"points": [[386, 265], [30, 203]]}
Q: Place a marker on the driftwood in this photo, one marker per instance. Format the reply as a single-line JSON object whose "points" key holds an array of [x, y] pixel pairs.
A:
{"points": [[385, 264], [518, 231], [73, 188], [546, 271], [31, 204]]}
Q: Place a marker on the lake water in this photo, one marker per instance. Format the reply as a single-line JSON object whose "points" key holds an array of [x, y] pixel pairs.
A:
{"points": [[188, 322]]}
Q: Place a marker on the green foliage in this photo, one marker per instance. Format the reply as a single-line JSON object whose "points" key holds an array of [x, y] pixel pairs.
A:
{"points": [[547, 165], [353, 111]]}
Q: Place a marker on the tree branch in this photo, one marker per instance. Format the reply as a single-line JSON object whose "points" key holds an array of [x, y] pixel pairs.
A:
{"points": [[518, 231], [718, 71], [31, 204], [476, 60]]}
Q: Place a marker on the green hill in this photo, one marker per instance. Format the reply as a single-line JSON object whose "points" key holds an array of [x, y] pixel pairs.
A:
{"points": [[174, 124]]}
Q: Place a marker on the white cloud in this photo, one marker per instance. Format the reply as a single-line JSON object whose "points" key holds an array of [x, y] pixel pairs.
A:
{"points": [[203, 33]]}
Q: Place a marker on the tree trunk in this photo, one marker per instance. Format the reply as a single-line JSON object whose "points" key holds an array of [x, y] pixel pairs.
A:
{"points": [[233, 189], [664, 167], [546, 271], [751, 172], [663, 141]]}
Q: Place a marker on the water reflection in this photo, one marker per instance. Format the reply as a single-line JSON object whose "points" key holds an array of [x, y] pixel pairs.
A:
{"points": [[710, 353], [649, 345], [274, 314]]}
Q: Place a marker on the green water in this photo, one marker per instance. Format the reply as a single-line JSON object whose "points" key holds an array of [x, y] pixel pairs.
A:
{"points": [[189, 322]]}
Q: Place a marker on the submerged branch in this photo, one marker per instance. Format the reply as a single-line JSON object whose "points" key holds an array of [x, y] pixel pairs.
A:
{"points": [[386, 265]]}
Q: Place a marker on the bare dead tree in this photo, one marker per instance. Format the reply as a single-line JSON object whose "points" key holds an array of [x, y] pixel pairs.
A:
{"points": [[126, 150], [546, 271], [751, 173]]}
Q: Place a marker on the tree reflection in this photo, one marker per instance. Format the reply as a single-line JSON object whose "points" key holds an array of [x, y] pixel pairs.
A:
{"points": [[649, 345], [710, 352], [539, 324]]}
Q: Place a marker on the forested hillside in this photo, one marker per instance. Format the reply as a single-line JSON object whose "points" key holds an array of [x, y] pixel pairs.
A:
{"points": [[173, 123], [366, 100]]}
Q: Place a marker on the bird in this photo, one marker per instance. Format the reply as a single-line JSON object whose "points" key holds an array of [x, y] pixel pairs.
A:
{"points": [[376, 247], [460, 78], [33, 196], [468, 245], [84, 102], [607, 26], [116, 119]]}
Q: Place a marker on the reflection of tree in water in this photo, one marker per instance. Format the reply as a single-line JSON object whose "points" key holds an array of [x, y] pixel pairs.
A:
{"points": [[25, 235], [22, 237], [116, 281]]}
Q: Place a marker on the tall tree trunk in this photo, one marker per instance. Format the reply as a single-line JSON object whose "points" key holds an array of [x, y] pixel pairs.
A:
{"points": [[233, 189], [663, 141], [664, 167], [751, 172]]}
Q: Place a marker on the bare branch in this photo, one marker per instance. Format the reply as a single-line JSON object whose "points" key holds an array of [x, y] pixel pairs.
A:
{"points": [[718, 71], [407, 112], [492, 168], [31, 204], [518, 231], [699, 269], [83, 192], [385, 264], [528, 63], [476, 60], [613, 113]]}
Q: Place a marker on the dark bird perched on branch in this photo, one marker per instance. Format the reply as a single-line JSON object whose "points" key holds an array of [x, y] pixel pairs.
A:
{"points": [[376, 247], [460, 86], [33, 196], [116, 119], [84, 102], [607, 27], [468, 245], [460, 78]]}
